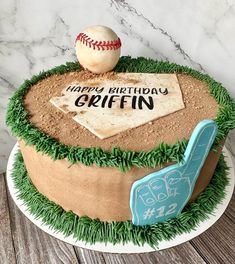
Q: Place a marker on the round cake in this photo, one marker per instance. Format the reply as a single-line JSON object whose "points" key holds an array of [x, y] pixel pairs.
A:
{"points": [[88, 139]]}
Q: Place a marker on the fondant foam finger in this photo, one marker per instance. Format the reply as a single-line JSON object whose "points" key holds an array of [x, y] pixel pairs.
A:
{"points": [[179, 180]]}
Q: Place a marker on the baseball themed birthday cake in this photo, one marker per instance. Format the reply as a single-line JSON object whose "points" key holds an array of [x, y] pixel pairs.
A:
{"points": [[118, 149]]}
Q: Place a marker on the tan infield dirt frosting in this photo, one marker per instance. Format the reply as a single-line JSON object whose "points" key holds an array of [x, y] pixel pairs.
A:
{"points": [[199, 105]]}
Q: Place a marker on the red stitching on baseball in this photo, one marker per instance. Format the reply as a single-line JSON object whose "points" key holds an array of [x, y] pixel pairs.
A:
{"points": [[100, 45]]}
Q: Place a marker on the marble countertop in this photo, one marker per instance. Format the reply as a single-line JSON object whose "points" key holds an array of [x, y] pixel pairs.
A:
{"points": [[38, 35]]}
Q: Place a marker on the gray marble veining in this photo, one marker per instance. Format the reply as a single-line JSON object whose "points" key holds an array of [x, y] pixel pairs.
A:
{"points": [[37, 35]]}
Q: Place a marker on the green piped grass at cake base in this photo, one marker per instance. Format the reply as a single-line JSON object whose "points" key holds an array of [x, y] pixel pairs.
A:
{"points": [[18, 120], [94, 230]]}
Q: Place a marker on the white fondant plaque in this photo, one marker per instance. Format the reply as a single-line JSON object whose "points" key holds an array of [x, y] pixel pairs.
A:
{"points": [[109, 106]]}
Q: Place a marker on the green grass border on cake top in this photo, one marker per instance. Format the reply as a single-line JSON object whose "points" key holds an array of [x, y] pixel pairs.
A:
{"points": [[17, 119], [86, 229]]}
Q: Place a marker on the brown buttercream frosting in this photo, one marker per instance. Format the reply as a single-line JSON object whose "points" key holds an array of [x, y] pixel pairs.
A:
{"points": [[101, 192]]}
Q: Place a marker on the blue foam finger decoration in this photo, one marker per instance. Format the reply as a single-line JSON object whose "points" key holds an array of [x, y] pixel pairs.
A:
{"points": [[162, 195]]}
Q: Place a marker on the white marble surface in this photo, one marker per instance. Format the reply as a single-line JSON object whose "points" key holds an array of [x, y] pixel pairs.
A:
{"points": [[37, 35]]}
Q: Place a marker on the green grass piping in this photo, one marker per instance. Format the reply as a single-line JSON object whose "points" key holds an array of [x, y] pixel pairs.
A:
{"points": [[17, 119], [86, 229]]}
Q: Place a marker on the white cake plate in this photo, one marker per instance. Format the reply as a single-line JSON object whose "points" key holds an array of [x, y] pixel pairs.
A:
{"points": [[128, 247]]}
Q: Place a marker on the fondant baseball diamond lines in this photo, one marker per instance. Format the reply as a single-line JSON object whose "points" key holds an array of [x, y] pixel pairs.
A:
{"points": [[108, 106], [163, 194]]}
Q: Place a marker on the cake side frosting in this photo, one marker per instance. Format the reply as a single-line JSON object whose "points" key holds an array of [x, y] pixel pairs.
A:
{"points": [[94, 230], [104, 192]]}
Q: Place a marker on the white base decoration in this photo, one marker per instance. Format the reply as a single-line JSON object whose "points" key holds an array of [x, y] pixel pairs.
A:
{"points": [[107, 106], [128, 247]]}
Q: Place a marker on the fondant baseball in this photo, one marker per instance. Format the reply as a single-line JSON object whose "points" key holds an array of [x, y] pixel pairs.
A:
{"points": [[98, 49]]}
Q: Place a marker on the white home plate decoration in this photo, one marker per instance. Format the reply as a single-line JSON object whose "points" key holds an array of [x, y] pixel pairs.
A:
{"points": [[112, 105]]}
